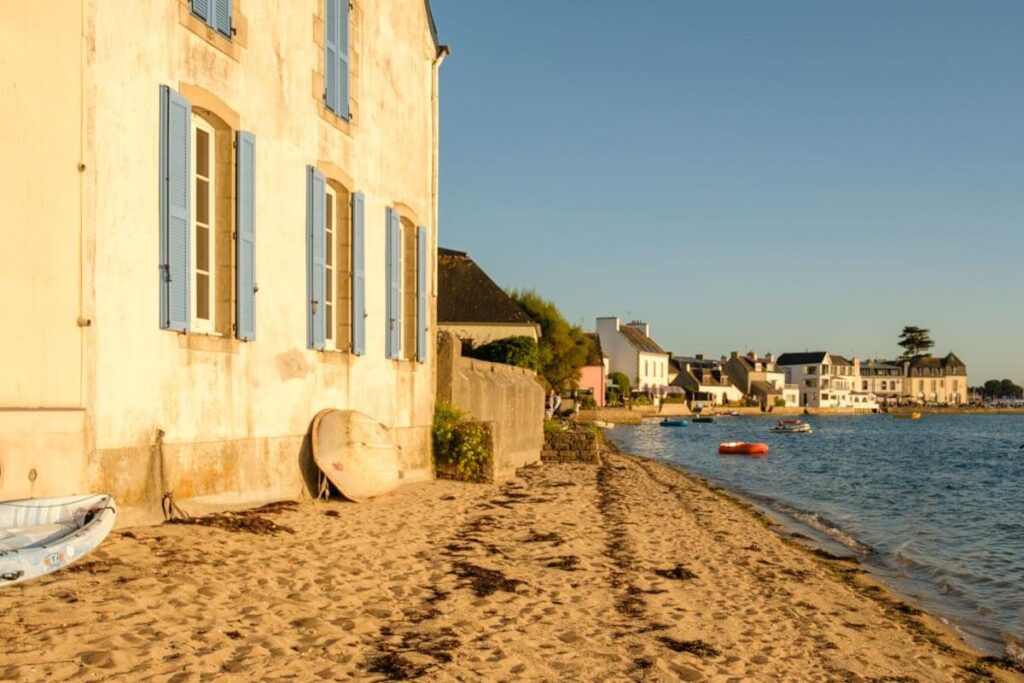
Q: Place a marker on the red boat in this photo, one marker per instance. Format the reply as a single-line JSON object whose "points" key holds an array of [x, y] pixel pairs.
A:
{"points": [[741, 448]]}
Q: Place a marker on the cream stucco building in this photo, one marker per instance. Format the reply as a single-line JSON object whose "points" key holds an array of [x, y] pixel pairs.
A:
{"points": [[220, 218]]}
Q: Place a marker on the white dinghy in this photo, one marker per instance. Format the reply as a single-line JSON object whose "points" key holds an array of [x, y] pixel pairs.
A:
{"points": [[42, 535]]}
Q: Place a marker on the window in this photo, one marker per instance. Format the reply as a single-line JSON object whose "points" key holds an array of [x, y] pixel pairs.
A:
{"points": [[201, 247], [406, 270], [335, 283], [336, 58], [215, 13], [204, 219], [864, 386]]}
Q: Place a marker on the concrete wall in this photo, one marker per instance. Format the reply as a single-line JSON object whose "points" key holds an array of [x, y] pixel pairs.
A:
{"points": [[84, 88], [507, 396]]}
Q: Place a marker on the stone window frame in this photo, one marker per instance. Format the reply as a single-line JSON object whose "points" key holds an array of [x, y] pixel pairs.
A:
{"points": [[342, 185], [239, 27], [354, 41]]}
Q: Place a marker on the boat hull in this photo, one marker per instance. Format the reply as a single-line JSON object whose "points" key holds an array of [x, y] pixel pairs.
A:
{"points": [[741, 448], [38, 536]]}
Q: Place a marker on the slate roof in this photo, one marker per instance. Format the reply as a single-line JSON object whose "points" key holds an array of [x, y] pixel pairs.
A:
{"points": [[766, 365], [766, 388], [466, 294], [640, 340], [805, 358], [949, 362], [594, 354]]}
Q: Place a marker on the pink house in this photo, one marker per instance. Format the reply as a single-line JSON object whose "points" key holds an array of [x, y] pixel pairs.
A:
{"points": [[594, 372]]}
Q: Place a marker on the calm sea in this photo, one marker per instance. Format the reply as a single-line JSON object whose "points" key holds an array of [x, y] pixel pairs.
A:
{"points": [[934, 507]]}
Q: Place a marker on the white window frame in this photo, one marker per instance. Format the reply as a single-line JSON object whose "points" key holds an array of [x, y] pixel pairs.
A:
{"points": [[331, 267], [203, 325]]}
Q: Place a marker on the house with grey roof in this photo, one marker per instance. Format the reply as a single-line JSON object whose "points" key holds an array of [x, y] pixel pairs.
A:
{"points": [[930, 379], [631, 351], [704, 381], [826, 380], [473, 306]]}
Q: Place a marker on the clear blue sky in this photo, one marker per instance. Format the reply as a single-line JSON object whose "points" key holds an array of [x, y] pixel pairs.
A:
{"points": [[747, 175]]}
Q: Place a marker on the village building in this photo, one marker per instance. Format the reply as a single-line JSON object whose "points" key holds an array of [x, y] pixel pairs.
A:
{"points": [[704, 381], [760, 379], [826, 380], [631, 351], [928, 379], [884, 379], [594, 373], [473, 307], [221, 219]]}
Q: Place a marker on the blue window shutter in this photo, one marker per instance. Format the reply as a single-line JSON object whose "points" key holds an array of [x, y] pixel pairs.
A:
{"points": [[358, 276], [342, 44], [245, 241], [175, 210], [201, 8], [332, 72], [316, 237], [421, 294], [389, 313], [394, 284], [222, 17]]}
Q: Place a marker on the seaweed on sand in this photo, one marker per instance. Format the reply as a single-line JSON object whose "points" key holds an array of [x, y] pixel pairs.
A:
{"points": [[694, 647], [483, 581], [677, 573]]}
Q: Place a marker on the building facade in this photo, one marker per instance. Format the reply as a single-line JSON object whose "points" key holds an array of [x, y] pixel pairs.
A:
{"points": [[594, 373], [883, 379], [232, 215], [631, 351], [705, 381], [928, 379], [826, 380], [758, 377]]}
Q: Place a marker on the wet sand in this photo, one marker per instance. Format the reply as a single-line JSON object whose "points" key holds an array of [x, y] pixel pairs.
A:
{"points": [[629, 570]]}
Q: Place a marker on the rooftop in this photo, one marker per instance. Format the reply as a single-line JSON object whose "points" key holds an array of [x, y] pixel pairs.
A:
{"points": [[640, 340], [466, 294]]}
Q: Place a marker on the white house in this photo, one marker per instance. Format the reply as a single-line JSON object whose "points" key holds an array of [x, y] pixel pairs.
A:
{"points": [[826, 380], [631, 351]]}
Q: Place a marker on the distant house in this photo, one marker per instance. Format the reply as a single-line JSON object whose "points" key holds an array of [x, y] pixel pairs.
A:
{"points": [[884, 379], [928, 379], [631, 351], [471, 305], [594, 373], [760, 379], [826, 380], [704, 381]]}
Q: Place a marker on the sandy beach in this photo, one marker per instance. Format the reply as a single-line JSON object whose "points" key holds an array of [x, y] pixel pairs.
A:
{"points": [[628, 570]]}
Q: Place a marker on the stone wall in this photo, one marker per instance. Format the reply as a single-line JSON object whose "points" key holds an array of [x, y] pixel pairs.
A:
{"points": [[572, 445], [508, 397]]}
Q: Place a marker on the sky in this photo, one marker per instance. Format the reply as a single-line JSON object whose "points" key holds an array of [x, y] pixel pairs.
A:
{"points": [[770, 176]]}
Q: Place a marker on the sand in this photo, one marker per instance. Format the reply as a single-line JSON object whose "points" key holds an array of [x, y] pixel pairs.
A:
{"points": [[629, 570]]}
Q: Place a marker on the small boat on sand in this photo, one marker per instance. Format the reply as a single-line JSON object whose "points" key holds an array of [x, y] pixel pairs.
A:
{"points": [[741, 448], [665, 422], [704, 418], [792, 427], [916, 415], [603, 424], [42, 535]]}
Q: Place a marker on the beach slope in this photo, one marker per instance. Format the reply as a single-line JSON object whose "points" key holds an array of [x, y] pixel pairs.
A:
{"points": [[628, 570]]}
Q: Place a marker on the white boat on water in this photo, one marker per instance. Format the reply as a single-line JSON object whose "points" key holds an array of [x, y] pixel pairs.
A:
{"points": [[792, 427], [603, 424], [42, 535]]}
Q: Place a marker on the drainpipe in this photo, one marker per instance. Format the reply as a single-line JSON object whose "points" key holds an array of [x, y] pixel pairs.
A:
{"points": [[442, 52]]}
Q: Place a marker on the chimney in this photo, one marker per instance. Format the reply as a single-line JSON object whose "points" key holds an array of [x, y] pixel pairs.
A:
{"points": [[641, 326], [734, 355], [700, 356], [769, 357]]}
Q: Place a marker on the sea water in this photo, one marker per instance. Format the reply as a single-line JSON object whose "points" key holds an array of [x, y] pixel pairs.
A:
{"points": [[934, 507]]}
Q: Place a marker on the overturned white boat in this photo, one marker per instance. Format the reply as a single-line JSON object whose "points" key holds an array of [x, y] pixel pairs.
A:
{"points": [[42, 535], [792, 427]]}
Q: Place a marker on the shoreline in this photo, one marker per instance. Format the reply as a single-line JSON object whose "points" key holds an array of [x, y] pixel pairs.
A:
{"points": [[627, 570]]}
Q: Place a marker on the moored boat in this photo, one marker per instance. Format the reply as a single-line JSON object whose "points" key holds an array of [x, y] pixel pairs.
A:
{"points": [[792, 427], [603, 424], [741, 448], [915, 415], [704, 418], [42, 535], [665, 422]]}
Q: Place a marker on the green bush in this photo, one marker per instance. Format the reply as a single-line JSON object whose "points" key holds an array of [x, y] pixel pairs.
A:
{"points": [[587, 402], [620, 381], [780, 402], [520, 351], [462, 448]]}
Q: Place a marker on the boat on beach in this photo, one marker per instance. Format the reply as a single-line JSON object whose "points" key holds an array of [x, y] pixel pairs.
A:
{"points": [[791, 427], [665, 422], [41, 535], [742, 448], [603, 424]]}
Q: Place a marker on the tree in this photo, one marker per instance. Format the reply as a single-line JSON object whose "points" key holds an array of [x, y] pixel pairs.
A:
{"points": [[915, 342], [521, 351], [995, 388], [620, 381], [563, 347]]}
